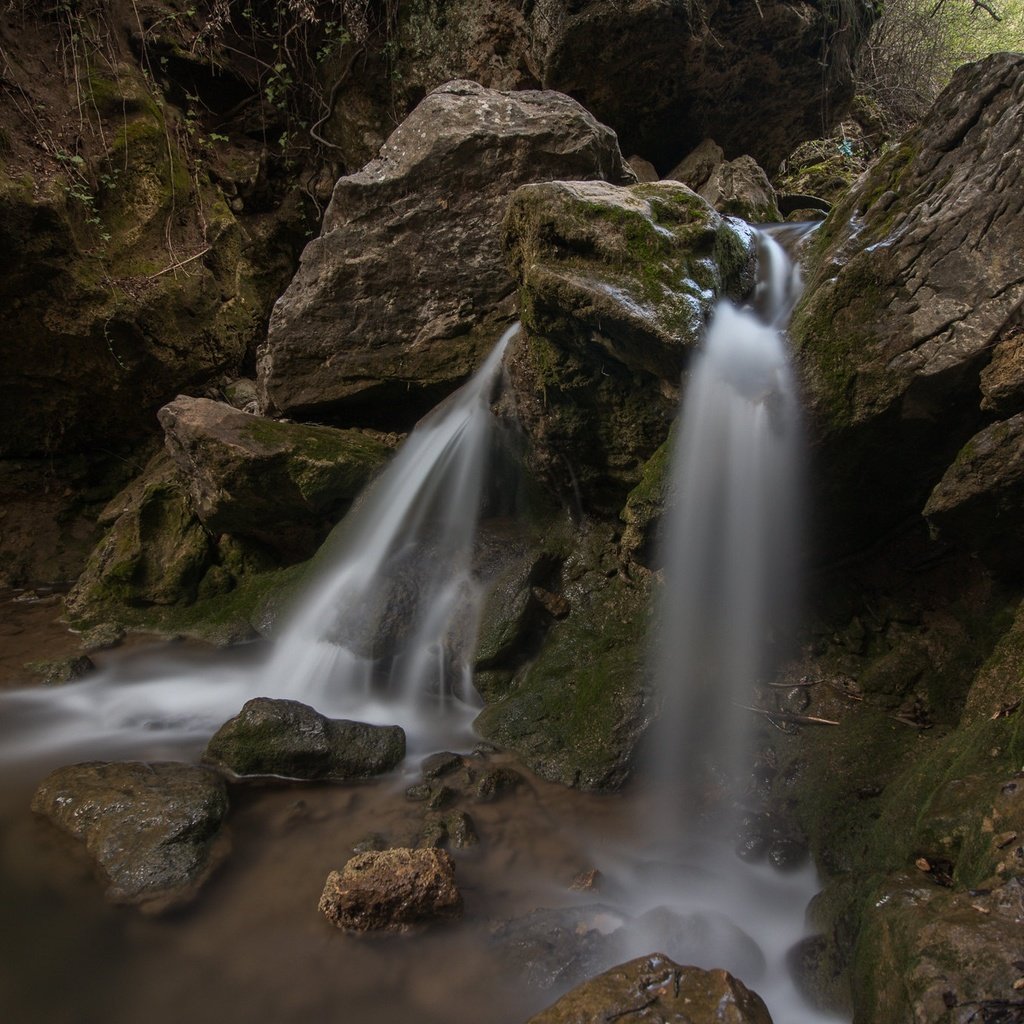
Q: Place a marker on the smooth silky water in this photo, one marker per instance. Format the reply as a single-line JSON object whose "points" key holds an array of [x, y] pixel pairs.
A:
{"points": [[253, 946]]}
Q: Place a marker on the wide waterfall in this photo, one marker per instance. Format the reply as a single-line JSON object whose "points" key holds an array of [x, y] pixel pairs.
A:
{"points": [[385, 632]]}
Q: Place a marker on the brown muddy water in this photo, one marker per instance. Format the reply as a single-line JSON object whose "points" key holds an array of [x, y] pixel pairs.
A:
{"points": [[253, 947]]}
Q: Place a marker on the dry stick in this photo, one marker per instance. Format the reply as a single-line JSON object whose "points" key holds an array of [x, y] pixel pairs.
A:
{"points": [[784, 716], [180, 264], [803, 684]]}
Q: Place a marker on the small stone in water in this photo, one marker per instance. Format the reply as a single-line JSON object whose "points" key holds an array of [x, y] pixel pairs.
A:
{"points": [[586, 881], [440, 764]]}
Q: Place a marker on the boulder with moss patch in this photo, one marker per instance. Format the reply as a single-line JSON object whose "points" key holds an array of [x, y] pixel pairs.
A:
{"points": [[288, 739], [615, 287], [915, 277], [281, 484]]}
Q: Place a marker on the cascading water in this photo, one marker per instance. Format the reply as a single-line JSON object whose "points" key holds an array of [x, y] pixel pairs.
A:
{"points": [[728, 555], [728, 541], [385, 633]]}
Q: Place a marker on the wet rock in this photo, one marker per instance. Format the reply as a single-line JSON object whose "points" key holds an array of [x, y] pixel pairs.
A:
{"points": [[154, 830], [440, 764], [103, 636], [575, 713], [663, 992], [738, 187], [392, 890], [495, 783], [455, 829], [915, 278], [615, 288], [809, 964], [551, 948], [281, 484], [374, 842], [62, 670], [586, 881], [981, 495], [787, 854], [154, 553], [415, 232], [291, 740], [940, 956]]}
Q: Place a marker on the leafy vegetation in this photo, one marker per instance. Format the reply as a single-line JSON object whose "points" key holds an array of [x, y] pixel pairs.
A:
{"points": [[916, 45]]}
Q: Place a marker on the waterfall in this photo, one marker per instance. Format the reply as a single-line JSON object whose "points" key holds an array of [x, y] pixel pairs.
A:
{"points": [[395, 609], [728, 538], [385, 633]]}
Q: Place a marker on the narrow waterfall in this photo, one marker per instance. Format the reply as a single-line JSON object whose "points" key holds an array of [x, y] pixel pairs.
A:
{"points": [[728, 540], [394, 612]]}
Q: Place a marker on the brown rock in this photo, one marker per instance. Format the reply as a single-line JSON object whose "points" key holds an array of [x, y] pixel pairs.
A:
{"points": [[405, 289], [392, 890], [1002, 381], [656, 990]]}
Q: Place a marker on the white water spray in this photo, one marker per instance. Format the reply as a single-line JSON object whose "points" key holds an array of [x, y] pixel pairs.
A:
{"points": [[728, 542], [386, 633]]}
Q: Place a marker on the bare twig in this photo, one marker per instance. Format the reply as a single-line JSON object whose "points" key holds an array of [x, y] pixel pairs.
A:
{"points": [[179, 264], [784, 716]]}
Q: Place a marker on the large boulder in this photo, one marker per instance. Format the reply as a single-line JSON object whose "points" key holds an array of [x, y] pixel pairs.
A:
{"points": [[616, 285], [739, 187], [392, 890], [289, 739], [916, 279], [154, 830], [979, 501], [654, 988], [281, 484], [405, 289]]}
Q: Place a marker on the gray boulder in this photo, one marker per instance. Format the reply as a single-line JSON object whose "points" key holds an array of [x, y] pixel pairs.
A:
{"points": [[154, 830], [291, 740], [916, 280], [405, 289], [738, 187]]}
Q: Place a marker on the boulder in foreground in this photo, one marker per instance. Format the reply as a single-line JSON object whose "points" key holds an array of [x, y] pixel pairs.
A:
{"points": [[392, 890], [657, 991], [154, 830], [292, 740]]}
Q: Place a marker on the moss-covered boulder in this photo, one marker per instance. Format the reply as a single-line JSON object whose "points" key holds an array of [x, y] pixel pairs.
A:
{"points": [[574, 711], [615, 287], [283, 485], [155, 551], [288, 739], [154, 830], [915, 278]]}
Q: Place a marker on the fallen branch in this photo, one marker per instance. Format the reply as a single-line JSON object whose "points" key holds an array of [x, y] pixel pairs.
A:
{"points": [[785, 716], [178, 265]]}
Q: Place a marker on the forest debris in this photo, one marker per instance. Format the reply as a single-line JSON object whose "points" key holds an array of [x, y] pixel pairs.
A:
{"points": [[785, 716], [1007, 709]]}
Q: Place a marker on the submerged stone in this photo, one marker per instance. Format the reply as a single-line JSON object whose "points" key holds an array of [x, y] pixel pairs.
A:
{"points": [[154, 830], [392, 890], [288, 739]]}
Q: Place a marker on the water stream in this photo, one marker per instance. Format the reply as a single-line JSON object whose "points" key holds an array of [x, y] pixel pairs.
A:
{"points": [[385, 633]]}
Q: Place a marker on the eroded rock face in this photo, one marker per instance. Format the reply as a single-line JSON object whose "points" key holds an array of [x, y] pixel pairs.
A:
{"points": [[748, 75], [292, 740], [392, 890], [281, 484], [917, 277], [154, 830], [155, 550], [405, 290], [663, 991], [615, 288]]}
